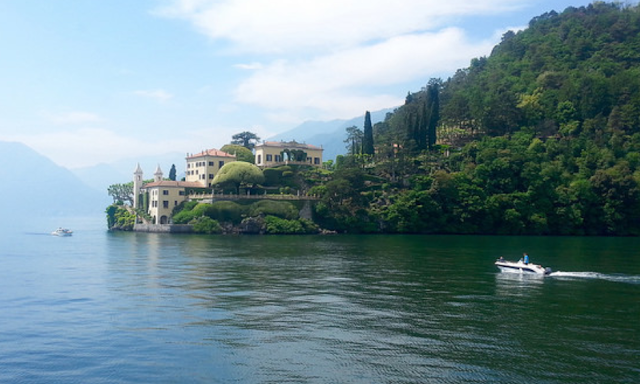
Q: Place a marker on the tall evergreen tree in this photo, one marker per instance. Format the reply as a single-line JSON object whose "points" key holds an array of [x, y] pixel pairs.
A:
{"points": [[434, 111], [172, 173], [367, 140]]}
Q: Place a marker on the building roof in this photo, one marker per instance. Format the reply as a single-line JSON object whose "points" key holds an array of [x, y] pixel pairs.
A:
{"points": [[288, 144], [210, 152], [174, 184]]}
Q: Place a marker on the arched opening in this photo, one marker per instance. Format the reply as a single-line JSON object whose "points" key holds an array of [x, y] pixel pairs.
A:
{"points": [[164, 220]]}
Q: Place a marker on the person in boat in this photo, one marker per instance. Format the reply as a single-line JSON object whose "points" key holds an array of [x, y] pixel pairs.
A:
{"points": [[501, 258], [525, 258]]}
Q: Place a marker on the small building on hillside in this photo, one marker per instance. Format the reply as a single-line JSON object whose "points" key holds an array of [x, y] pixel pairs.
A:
{"points": [[203, 167], [275, 153]]}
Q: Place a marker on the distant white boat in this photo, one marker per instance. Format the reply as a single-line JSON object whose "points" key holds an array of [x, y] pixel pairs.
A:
{"points": [[62, 232]]}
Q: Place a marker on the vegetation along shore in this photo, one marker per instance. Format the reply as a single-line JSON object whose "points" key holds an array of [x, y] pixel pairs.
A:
{"points": [[542, 137]]}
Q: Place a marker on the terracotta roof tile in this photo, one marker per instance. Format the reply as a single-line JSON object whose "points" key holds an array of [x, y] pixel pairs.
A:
{"points": [[211, 152], [174, 184], [287, 144]]}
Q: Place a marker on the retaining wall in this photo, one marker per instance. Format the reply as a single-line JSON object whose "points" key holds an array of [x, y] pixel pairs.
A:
{"points": [[163, 228]]}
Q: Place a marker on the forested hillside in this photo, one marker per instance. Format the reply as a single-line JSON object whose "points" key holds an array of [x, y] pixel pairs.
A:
{"points": [[541, 137]]}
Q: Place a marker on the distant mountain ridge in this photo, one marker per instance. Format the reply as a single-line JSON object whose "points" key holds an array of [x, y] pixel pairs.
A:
{"points": [[34, 186], [328, 134]]}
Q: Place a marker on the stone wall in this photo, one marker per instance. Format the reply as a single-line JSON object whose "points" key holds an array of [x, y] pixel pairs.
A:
{"points": [[163, 228]]}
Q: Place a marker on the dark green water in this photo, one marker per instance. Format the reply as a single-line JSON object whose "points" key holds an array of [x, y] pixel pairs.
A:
{"points": [[130, 308]]}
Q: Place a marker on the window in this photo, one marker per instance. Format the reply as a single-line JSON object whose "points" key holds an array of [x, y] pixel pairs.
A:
{"points": [[316, 160], [259, 159], [211, 176], [181, 193], [211, 163], [269, 158], [220, 163], [165, 192], [165, 204], [278, 158]]}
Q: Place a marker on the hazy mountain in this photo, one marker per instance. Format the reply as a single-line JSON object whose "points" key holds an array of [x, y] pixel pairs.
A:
{"points": [[33, 186], [328, 134], [101, 176]]}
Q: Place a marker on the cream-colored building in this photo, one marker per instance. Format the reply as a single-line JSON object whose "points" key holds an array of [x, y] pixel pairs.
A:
{"points": [[203, 167], [275, 153], [163, 195]]}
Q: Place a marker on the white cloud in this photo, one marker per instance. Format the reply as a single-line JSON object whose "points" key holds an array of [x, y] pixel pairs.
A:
{"points": [[334, 58], [334, 82], [251, 66], [294, 25], [73, 118], [157, 94]]}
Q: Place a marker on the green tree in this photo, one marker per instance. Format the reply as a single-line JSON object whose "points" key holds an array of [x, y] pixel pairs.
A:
{"points": [[354, 140], [121, 192], [246, 139], [433, 108], [172, 173], [238, 174], [367, 139], [242, 153]]}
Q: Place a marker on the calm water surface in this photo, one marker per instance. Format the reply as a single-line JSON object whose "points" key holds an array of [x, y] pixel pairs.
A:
{"points": [[105, 307]]}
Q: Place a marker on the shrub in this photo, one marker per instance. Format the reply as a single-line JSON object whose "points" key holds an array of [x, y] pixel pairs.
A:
{"points": [[119, 218], [276, 225], [226, 211], [186, 214], [206, 225], [281, 209], [272, 176]]}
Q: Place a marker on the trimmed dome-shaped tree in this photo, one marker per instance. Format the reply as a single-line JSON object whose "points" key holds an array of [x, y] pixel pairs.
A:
{"points": [[238, 174], [242, 153]]}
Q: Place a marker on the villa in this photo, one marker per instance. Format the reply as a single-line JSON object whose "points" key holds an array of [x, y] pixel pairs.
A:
{"points": [[160, 197], [204, 166], [275, 153], [163, 195]]}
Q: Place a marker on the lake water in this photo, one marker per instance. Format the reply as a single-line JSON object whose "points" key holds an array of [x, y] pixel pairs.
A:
{"points": [[104, 307]]}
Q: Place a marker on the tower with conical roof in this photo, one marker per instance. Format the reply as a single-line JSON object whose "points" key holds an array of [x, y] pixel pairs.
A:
{"points": [[157, 176], [138, 177]]}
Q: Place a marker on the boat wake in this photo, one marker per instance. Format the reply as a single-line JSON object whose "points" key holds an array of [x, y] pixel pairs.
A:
{"points": [[631, 279]]}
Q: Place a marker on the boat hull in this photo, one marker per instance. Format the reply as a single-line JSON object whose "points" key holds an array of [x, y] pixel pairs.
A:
{"points": [[62, 232], [522, 268]]}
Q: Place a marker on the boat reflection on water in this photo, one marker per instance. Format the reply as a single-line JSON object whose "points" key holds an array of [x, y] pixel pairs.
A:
{"points": [[518, 284]]}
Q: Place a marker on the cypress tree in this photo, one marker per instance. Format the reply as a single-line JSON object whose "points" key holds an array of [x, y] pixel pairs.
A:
{"points": [[434, 112], [367, 140]]}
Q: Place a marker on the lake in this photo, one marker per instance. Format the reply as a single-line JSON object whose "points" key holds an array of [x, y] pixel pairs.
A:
{"points": [[104, 307]]}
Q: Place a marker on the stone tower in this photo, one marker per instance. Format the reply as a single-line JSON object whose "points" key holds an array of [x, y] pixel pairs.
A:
{"points": [[157, 176], [138, 176]]}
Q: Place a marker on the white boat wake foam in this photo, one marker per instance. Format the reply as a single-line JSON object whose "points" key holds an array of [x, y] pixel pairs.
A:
{"points": [[595, 275]]}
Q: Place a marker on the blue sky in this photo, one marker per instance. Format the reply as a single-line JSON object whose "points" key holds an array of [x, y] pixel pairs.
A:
{"points": [[87, 82]]}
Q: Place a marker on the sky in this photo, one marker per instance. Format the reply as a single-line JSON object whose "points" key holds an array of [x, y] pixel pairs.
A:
{"points": [[89, 82]]}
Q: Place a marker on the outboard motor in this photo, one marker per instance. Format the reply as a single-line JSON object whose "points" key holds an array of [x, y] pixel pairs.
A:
{"points": [[547, 271]]}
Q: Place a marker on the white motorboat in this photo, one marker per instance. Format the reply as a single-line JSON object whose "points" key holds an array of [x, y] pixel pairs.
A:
{"points": [[62, 232], [521, 267]]}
